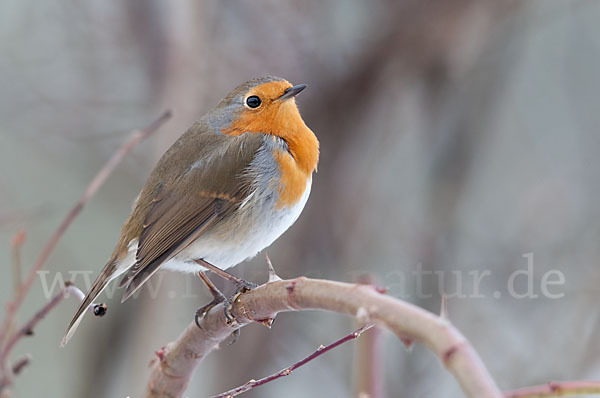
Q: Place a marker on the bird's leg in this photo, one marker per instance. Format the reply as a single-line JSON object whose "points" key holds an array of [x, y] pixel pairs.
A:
{"points": [[241, 284], [218, 298]]}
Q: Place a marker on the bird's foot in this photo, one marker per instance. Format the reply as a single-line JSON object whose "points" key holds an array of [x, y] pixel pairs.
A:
{"points": [[218, 298], [243, 286]]}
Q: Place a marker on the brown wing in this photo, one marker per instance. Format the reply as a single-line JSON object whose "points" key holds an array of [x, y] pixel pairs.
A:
{"points": [[186, 204]]}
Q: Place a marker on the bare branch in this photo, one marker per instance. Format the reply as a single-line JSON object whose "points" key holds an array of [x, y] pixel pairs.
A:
{"points": [[27, 328], [176, 362], [15, 244], [555, 389], [288, 371], [8, 340], [135, 138], [6, 372]]}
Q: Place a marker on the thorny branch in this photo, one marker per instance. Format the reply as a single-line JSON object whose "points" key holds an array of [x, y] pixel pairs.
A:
{"points": [[173, 369], [172, 372]]}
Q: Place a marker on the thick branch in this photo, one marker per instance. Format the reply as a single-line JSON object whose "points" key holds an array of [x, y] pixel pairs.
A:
{"points": [[177, 361]]}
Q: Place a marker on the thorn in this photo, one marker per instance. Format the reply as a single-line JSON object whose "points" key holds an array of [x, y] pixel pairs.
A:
{"points": [[235, 336], [160, 354], [407, 341], [444, 307], [266, 322], [286, 372], [273, 277], [21, 364], [380, 289]]}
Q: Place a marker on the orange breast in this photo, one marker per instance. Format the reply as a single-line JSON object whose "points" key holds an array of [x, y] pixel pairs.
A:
{"points": [[293, 180], [283, 119]]}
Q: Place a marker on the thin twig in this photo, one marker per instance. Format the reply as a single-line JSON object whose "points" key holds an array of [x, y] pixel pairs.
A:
{"points": [[557, 389], [16, 244], [27, 330], [287, 371], [135, 138]]}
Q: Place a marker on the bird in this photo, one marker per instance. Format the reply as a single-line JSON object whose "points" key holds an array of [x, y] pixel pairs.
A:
{"points": [[230, 185]]}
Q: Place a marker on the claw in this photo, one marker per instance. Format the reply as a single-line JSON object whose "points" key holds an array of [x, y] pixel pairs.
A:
{"points": [[242, 285], [235, 337], [227, 311], [201, 312]]}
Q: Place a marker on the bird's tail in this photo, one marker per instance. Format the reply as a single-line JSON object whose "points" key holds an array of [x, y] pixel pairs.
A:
{"points": [[99, 284]]}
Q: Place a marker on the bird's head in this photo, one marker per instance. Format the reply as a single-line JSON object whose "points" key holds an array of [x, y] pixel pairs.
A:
{"points": [[267, 105]]}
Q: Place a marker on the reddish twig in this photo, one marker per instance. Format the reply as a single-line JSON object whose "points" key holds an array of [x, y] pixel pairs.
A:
{"points": [[557, 389], [287, 371], [135, 138], [16, 243]]}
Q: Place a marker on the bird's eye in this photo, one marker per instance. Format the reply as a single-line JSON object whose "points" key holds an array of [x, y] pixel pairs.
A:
{"points": [[253, 101]]}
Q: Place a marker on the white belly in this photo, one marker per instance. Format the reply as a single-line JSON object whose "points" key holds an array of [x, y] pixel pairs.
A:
{"points": [[263, 229]]}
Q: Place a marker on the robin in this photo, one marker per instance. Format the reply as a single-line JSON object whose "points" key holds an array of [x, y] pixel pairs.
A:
{"points": [[226, 189]]}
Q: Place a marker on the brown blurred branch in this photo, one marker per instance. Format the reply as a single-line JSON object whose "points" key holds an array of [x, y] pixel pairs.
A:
{"points": [[7, 339], [15, 244], [288, 371], [135, 138], [555, 389], [7, 372], [176, 362]]}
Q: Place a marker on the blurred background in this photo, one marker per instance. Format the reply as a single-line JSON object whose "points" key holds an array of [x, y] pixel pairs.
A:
{"points": [[456, 137]]}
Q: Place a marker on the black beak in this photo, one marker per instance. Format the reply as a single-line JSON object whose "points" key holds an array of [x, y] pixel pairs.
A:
{"points": [[292, 92]]}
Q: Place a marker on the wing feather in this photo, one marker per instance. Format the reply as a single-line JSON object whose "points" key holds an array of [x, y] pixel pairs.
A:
{"points": [[178, 215]]}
